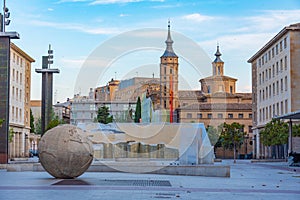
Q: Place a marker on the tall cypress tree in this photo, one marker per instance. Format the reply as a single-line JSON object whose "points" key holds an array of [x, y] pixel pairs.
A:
{"points": [[32, 128], [138, 111]]}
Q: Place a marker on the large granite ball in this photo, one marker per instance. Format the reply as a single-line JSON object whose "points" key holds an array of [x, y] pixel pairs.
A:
{"points": [[65, 151]]}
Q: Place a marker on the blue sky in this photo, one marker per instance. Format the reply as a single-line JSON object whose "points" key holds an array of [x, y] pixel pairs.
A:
{"points": [[75, 28]]}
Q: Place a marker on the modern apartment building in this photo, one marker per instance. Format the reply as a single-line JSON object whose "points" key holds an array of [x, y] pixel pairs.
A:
{"points": [[275, 81], [19, 101]]}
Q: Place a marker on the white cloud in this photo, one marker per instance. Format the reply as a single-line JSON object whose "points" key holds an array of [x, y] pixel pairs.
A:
{"points": [[50, 9], [196, 17], [76, 27], [123, 15]]}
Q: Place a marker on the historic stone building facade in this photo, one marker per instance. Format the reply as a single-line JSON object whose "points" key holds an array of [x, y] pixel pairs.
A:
{"points": [[275, 81]]}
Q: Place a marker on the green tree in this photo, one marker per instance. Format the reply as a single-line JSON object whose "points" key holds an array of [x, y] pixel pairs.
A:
{"points": [[38, 126], [1, 122], [32, 129], [55, 121], [232, 136], [138, 111], [275, 134], [103, 115], [213, 135], [296, 130]]}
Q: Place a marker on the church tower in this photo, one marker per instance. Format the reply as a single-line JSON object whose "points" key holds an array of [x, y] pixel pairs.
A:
{"points": [[169, 77], [218, 82], [218, 64]]}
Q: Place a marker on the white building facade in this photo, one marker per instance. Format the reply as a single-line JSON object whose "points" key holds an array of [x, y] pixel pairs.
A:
{"points": [[19, 101], [275, 75]]}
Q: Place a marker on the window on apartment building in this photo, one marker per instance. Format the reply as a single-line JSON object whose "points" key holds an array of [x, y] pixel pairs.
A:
{"points": [[281, 85], [262, 60], [17, 114], [281, 65], [209, 115], [269, 55], [267, 113], [13, 113], [17, 77], [17, 94], [276, 47], [263, 97], [284, 42], [199, 115], [277, 108], [270, 73], [280, 44], [20, 114], [267, 92], [21, 78], [250, 115], [259, 78], [13, 92], [285, 62], [263, 77], [285, 83], [13, 74], [277, 87], [263, 114], [274, 113], [14, 57], [20, 95], [21, 62], [259, 62], [259, 95], [270, 112], [266, 57], [241, 115], [230, 115], [273, 89], [18, 60], [281, 108], [277, 68], [273, 52], [189, 115], [270, 91], [273, 70], [220, 115], [260, 118], [92, 115], [286, 106], [266, 74]]}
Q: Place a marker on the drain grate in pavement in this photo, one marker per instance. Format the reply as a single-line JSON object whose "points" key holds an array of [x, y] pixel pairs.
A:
{"points": [[107, 182], [146, 183]]}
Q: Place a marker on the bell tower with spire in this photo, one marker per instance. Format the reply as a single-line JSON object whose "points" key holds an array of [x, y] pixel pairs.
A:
{"points": [[218, 82], [218, 64], [169, 77]]}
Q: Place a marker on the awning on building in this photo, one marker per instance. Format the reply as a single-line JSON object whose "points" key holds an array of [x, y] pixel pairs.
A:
{"points": [[291, 115]]}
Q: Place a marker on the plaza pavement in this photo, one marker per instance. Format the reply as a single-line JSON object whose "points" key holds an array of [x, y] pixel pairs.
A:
{"points": [[262, 180]]}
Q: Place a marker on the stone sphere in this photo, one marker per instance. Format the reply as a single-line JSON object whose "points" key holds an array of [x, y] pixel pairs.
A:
{"points": [[65, 151]]}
